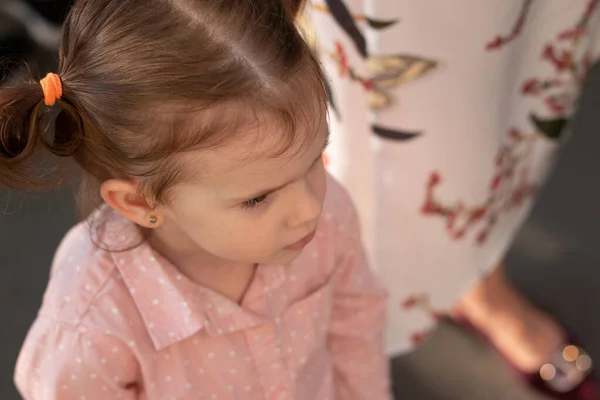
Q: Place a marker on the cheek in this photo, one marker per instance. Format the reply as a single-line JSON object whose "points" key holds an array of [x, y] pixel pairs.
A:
{"points": [[254, 244], [232, 234]]}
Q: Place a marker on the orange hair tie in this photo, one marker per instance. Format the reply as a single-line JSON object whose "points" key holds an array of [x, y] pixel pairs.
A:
{"points": [[52, 87]]}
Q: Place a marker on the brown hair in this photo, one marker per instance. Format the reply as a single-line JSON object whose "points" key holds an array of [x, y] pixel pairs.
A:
{"points": [[144, 81]]}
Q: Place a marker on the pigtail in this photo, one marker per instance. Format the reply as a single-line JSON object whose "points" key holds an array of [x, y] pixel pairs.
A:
{"points": [[27, 128]]}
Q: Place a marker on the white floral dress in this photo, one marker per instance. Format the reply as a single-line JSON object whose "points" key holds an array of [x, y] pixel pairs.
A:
{"points": [[446, 117]]}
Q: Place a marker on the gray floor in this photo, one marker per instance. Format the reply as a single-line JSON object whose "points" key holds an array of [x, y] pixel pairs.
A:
{"points": [[556, 261]]}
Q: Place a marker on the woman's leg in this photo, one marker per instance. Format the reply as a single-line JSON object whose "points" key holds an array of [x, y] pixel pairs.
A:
{"points": [[443, 145], [523, 333]]}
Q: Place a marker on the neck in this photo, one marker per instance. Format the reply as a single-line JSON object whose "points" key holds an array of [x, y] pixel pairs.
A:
{"points": [[229, 278]]}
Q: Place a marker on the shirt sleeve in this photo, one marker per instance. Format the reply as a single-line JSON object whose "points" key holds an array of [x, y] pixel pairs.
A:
{"points": [[64, 362], [361, 369]]}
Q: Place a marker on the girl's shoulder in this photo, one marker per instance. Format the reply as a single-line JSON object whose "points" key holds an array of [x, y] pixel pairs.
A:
{"points": [[338, 207], [85, 287]]}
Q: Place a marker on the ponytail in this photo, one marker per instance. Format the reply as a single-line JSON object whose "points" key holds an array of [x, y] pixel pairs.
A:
{"points": [[27, 127]]}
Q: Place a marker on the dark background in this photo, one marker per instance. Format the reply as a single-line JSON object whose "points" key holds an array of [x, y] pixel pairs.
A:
{"points": [[555, 259]]}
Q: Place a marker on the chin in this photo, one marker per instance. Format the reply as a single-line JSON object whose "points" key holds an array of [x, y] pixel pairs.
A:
{"points": [[286, 257]]}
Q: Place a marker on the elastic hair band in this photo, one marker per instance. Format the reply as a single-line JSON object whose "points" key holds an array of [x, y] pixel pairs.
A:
{"points": [[52, 87]]}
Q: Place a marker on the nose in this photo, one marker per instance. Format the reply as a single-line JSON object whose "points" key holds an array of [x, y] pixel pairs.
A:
{"points": [[307, 206]]}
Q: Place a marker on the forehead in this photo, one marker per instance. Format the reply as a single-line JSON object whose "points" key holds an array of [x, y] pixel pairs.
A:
{"points": [[259, 153]]}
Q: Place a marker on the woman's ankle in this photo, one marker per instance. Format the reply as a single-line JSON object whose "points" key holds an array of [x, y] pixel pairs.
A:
{"points": [[526, 335]]}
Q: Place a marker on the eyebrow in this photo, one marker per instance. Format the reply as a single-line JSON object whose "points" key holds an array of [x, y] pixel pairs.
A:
{"points": [[264, 192]]}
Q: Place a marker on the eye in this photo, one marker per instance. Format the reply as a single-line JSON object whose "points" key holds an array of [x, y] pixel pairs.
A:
{"points": [[255, 202]]}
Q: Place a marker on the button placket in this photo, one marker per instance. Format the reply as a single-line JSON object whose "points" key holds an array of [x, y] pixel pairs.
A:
{"points": [[265, 347]]}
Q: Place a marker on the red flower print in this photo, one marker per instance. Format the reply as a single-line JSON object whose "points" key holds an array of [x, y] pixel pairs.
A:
{"points": [[555, 105], [571, 34], [481, 237], [410, 302], [342, 59], [561, 61], [496, 182], [503, 192], [477, 214], [495, 44], [531, 86], [515, 134], [417, 337], [500, 41], [368, 84], [434, 179]]}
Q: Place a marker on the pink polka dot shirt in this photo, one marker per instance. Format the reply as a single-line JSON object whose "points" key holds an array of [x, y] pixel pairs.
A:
{"points": [[127, 325]]}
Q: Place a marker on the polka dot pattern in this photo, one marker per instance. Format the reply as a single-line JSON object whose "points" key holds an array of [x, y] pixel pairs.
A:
{"points": [[117, 323]]}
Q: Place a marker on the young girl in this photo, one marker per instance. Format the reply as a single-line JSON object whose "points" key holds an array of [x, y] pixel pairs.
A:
{"points": [[217, 267]]}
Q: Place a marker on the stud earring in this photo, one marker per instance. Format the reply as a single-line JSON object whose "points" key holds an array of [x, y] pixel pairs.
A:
{"points": [[154, 219]]}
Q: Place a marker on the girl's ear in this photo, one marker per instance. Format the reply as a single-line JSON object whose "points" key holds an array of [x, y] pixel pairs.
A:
{"points": [[124, 197]]}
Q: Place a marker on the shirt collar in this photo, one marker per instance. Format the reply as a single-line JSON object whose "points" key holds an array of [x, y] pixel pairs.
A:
{"points": [[173, 307]]}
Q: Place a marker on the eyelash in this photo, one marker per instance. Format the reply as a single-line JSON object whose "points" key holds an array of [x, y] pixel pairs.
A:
{"points": [[255, 202]]}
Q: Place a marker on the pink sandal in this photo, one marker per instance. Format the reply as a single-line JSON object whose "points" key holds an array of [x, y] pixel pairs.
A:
{"points": [[565, 377]]}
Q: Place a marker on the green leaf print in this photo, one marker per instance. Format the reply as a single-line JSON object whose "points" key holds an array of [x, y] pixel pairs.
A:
{"points": [[380, 24], [550, 128]]}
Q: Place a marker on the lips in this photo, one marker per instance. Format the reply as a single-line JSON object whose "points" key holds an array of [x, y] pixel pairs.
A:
{"points": [[300, 244]]}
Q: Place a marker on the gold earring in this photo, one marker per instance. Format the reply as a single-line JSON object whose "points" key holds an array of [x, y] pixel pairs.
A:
{"points": [[153, 220]]}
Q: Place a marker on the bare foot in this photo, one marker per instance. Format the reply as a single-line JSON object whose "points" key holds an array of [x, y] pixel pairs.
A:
{"points": [[525, 335]]}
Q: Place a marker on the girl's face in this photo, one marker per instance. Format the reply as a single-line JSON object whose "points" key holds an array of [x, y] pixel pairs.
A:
{"points": [[246, 207]]}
